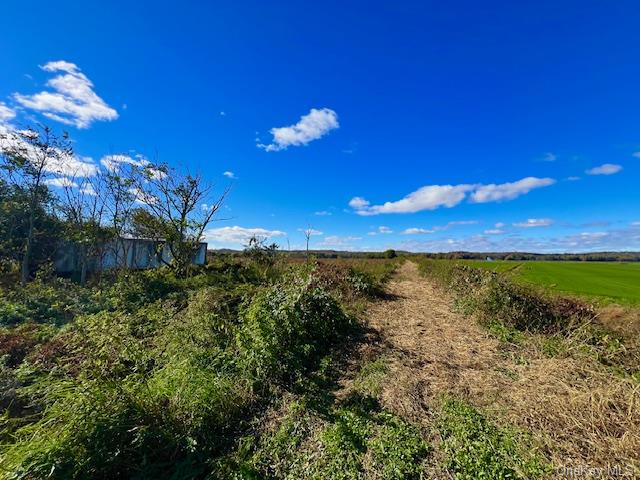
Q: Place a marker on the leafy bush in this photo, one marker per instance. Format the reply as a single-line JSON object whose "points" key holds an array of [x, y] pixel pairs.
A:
{"points": [[286, 327], [476, 448], [54, 301]]}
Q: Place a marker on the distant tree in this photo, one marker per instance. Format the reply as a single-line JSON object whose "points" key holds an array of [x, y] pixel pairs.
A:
{"points": [[390, 253], [308, 233], [28, 158], [178, 210], [261, 253]]}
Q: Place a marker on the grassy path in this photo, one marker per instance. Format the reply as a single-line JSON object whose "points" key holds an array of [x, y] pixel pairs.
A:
{"points": [[434, 350], [577, 412]]}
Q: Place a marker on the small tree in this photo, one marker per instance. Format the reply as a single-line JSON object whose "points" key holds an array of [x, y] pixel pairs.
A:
{"points": [[28, 158], [262, 254], [177, 210], [308, 233]]}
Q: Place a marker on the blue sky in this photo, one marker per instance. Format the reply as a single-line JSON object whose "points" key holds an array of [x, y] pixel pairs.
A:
{"points": [[423, 126]]}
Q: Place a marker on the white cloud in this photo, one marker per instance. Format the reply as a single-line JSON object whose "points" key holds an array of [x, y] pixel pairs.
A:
{"points": [[493, 231], [323, 213], [438, 228], [229, 174], [312, 126], [604, 169], [142, 197], [238, 235], [383, 229], [88, 189], [311, 231], [534, 222], [113, 162], [59, 163], [6, 113], [72, 100], [549, 157], [636, 154], [416, 231], [500, 225], [425, 198], [431, 197], [510, 190], [61, 182], [338, 241], [462, 222], [358, 203]]}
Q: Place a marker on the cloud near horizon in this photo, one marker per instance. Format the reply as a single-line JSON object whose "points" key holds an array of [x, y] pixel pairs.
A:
{"points": [[312, 126], [71, 100], [238, 235], [431, 197], [534, 222]]}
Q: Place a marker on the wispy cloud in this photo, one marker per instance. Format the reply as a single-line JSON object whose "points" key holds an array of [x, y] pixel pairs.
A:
{"points": [[431, 197], [337, 241], [549, 157], [57, 163], [239, 235], [229, 174], [61, 182], [312, 126], [71, 99], [438, 228], [310, 231], [534, 222], [323, 213], [604, 169], [494, 231], [417, 231], [6, 113]]}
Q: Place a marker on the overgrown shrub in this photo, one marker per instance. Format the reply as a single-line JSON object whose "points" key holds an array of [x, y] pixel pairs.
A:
{"points": [[286, 327], [54, 301], [496, 298]]}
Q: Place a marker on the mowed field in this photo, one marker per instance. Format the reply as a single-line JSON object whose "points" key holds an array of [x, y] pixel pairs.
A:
{"points": [[606, 282]]}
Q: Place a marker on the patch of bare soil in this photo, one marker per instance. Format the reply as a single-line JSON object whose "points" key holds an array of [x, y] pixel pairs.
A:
{"points": [[578, 410]]}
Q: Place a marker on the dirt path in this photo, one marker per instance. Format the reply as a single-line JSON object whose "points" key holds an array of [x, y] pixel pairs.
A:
{"points": [[431, 348], [578, 409]]}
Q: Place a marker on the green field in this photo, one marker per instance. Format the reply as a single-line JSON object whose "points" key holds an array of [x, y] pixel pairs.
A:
{"points": [[605, 282]]}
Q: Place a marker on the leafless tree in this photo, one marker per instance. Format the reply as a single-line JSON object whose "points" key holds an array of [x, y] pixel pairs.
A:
{"points": [[83, 205], [308, 233], [178, 207]]}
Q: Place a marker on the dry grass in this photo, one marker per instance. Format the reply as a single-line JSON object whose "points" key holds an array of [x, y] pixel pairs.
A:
{"points": [[576, 408]]}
